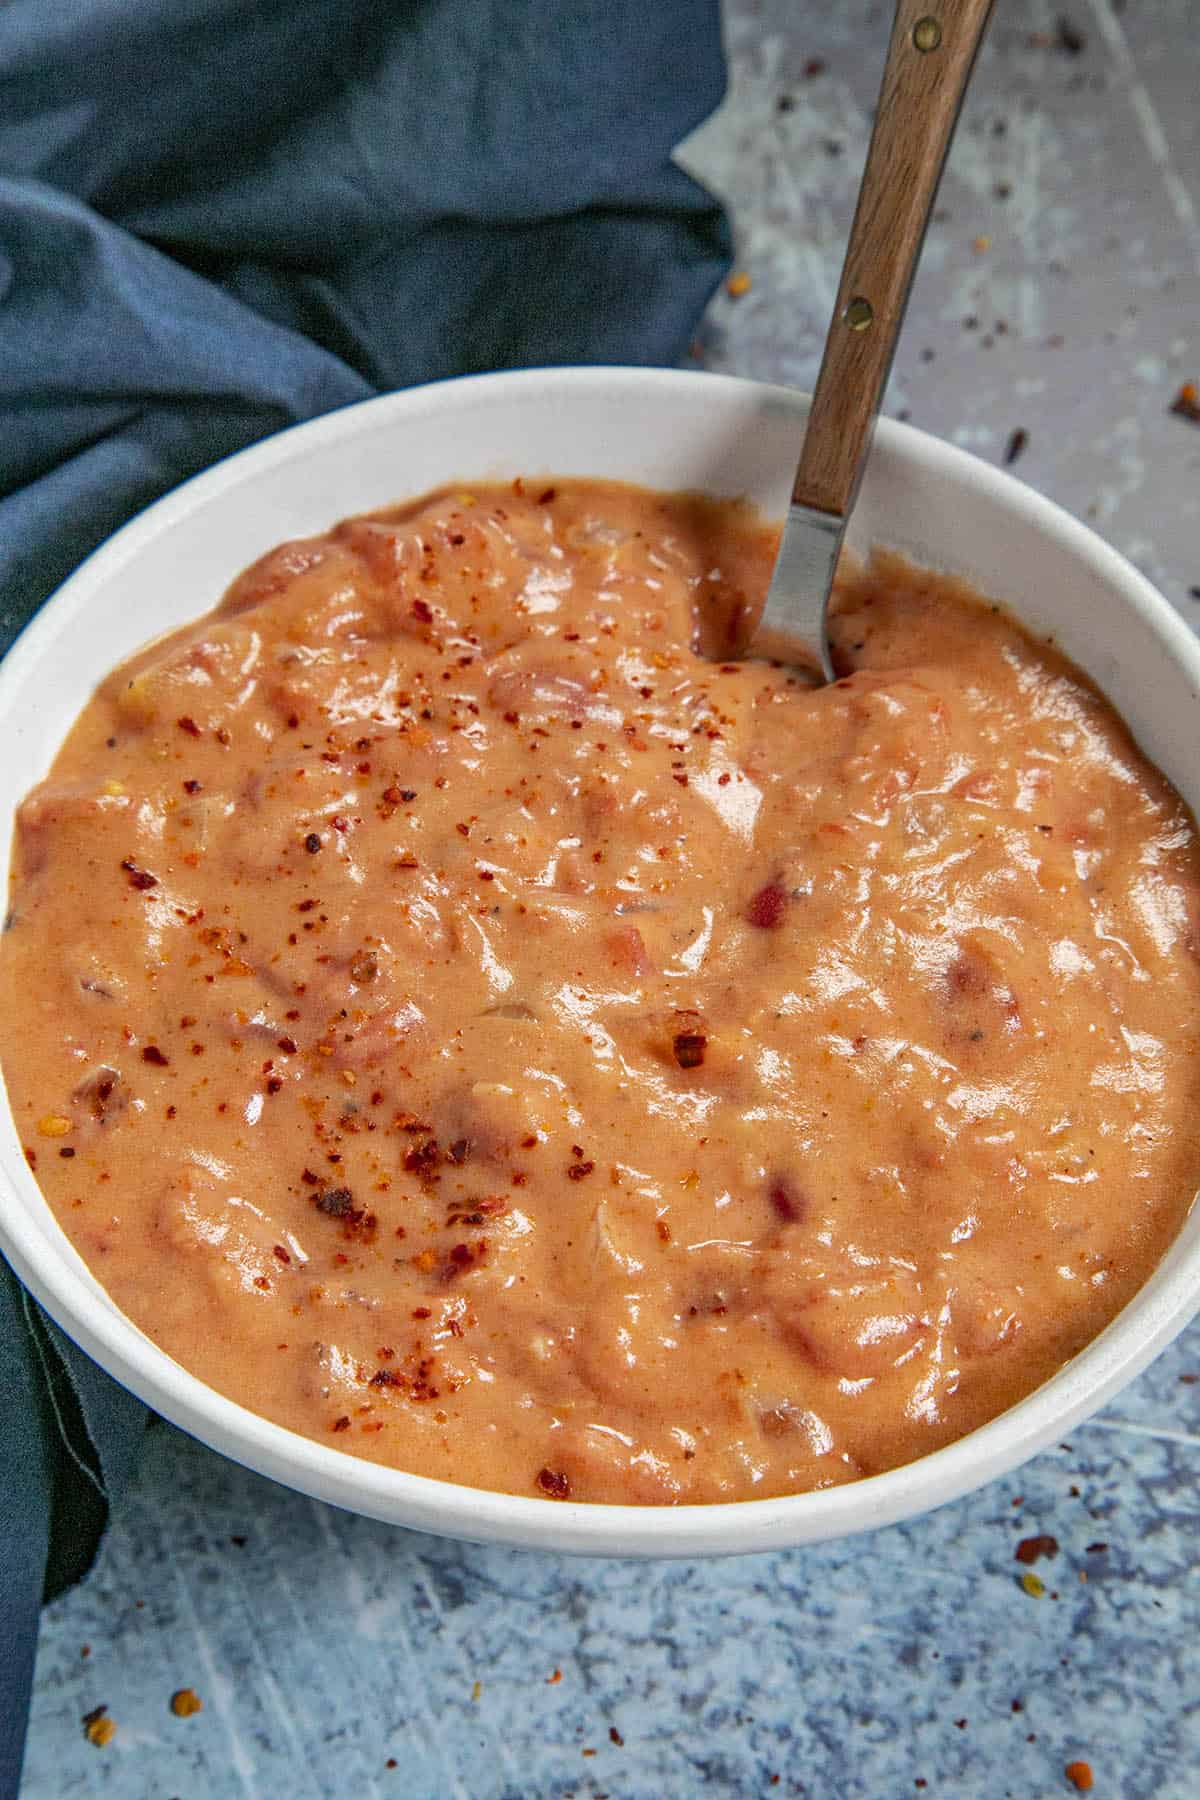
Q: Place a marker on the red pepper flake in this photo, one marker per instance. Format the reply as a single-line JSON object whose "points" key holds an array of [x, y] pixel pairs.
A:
{"points": [[342, 1424], [1186, 404], [68, 1153], [335, 1203], [1031, 1549], [463, 829], [421, 609], [1016, 444], [689, 1048], [152, 1054], [486, 874], [282, 1254], [423, 1159], [138, 878], [547, 495], [1079, 1774], [287, 1045], [766, 908], [458, 1151], [556, 1485], [274, 1085], [785, 1202], [191, 787], [577, 1171], [312, 843], [614, 1737], [463, 1257], [188, 724], [99, 1728], [553, 1680]]}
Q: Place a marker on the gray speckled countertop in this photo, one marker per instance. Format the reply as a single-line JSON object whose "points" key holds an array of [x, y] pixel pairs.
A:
{"points": [[1060, 296]]}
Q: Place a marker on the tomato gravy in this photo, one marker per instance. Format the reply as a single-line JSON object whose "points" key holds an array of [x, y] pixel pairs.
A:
{"points": [[463, 1022]]}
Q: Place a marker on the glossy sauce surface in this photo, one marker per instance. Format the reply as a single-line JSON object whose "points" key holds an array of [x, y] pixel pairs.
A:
{"points": [[463, 1023]]}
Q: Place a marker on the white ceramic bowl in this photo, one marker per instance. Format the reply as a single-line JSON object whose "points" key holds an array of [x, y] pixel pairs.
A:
{"points": [[668, 430]]}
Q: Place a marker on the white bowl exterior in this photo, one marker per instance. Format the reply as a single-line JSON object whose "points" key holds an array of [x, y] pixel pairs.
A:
{"points": [[668, 430]]}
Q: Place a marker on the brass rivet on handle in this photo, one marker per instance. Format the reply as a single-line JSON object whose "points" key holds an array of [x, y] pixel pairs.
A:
{"points": [[858, 314], [927, 34]]}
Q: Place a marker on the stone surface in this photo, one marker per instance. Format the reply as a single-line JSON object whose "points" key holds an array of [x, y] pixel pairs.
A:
{"points": [[910, 1661]]}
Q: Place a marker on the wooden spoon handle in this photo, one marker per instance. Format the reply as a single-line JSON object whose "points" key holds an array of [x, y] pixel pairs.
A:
{"points": [[928, 66]]}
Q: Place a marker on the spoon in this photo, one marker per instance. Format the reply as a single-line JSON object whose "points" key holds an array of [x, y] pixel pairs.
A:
{"points": [[929, 64]]}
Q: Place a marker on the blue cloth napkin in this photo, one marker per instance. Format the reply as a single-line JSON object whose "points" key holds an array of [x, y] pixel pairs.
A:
{"points": [[218, 217]]}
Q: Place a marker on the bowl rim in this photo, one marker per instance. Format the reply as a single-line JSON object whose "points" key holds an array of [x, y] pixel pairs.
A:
{"points": [[1149, 1321]]}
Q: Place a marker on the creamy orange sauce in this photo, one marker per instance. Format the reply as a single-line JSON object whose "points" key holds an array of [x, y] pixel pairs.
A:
{"points": [[464, 1024]]}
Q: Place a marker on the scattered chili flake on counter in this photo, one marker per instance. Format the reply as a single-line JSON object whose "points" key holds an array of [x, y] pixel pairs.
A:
{"points": [[186, 1703], [1079, 1774], [553, 1680], [1031, 1548], [98, 1727], [1015, 446], [1186, 404], [1068, 37]]}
